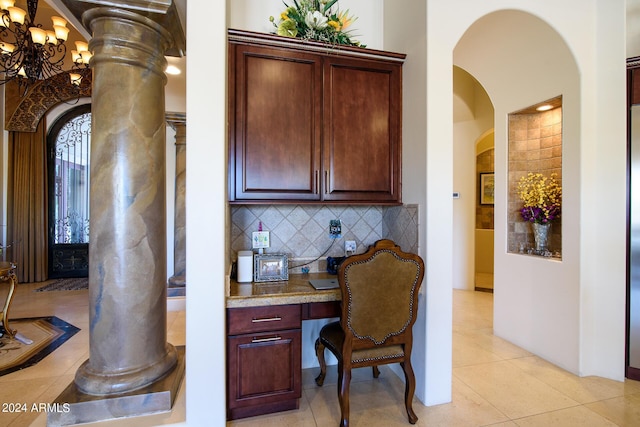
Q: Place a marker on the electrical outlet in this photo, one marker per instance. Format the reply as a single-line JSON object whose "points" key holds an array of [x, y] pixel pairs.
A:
{"points": [[350, 246], [335, 228]]}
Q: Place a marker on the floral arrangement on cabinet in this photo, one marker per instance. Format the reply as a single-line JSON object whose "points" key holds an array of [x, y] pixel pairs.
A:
{"points": [[316, 20], [541, 197]]}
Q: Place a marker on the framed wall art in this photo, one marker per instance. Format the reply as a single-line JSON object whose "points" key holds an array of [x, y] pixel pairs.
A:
{"points": [[487, 188]]}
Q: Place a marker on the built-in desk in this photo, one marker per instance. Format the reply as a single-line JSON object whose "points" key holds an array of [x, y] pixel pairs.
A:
{"points": [[264, 323]]}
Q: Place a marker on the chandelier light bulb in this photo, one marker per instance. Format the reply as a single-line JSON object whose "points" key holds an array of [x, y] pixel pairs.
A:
{"points": [[82, 46], [61, 32], [51, 37], [86, 56], [6, 4], [17, 15], [76, 79], [38, 35], [6, 48], [75, 57], [58, 21]]}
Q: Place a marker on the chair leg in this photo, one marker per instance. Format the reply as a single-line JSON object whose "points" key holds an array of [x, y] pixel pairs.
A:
{"points": [[409, 390], [344, 381], [321, 361], [376, 371]]}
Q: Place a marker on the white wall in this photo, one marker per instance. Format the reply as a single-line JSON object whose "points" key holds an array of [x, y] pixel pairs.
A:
{"points": [[433, 378], [633, 28], [205, 215], [473, 117]]}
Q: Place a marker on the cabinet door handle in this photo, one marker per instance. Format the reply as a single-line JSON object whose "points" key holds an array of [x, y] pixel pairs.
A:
{"points": [[276, 338], [316, 181], [267, 319], [326, 182]]}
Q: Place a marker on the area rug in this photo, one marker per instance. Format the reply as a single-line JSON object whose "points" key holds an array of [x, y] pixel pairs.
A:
{"points": [[66, 285], [47, 334]]}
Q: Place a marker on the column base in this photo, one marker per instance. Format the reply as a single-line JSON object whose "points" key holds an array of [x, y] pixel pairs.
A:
{"points": [[176, 286], [74, 407], [96, 383]]}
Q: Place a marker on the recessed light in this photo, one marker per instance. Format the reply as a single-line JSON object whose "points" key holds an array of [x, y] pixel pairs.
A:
{"points": [[172, 69], [544, 107]]}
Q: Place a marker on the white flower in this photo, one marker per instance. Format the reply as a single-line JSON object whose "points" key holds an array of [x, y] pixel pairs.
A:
{"points": [[316, 20]]}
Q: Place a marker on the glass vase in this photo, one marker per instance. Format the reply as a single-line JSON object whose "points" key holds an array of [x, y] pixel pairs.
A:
{"points": [[541, 236]]}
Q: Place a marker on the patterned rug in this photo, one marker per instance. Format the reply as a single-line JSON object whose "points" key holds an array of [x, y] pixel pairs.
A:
{"points": [[66, 285], [47, 334]]}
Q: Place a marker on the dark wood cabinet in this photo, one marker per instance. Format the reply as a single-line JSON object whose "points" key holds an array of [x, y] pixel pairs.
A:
{"points": [[264, 360], [313, 123]]}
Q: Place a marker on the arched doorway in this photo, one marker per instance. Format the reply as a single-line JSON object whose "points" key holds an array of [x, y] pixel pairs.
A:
{"points": [[473, 121], [69, 146], [545, 67]]}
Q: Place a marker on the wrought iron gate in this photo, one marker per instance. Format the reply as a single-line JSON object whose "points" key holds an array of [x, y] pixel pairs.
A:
{"points": [[69, 144]]}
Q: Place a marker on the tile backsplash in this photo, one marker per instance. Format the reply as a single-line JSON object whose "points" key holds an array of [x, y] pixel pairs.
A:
{"points": [[302, 231]]}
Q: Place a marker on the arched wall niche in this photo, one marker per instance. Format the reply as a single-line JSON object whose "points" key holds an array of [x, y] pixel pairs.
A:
{"points": [[24, 112]]}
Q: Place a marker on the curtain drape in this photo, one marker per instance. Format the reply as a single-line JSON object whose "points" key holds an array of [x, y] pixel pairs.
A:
{"points": [[27, 204]]}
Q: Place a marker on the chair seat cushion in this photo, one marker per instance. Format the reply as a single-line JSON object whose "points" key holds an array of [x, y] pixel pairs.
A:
{"points": [[381, 355], [332, 337]]}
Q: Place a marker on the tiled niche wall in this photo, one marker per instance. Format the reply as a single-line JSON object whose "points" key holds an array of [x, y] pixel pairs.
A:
{"points": [[535, 145], [302, 231], [484, 213]]}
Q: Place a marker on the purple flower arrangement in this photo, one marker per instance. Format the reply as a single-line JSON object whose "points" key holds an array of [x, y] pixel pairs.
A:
{"points": [[541, 215]]}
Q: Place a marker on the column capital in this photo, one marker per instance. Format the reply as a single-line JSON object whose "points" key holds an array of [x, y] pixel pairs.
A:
{"points": [[175, 119], [157, 6], [178, 122], [163, 12]]}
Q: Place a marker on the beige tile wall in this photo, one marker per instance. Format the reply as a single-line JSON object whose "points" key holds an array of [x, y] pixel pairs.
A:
{"points": [[535, 145], [484, 213], [302, 231]]}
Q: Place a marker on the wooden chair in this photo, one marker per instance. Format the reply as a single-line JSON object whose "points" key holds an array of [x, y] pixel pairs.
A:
{"points": [[379, 307]]}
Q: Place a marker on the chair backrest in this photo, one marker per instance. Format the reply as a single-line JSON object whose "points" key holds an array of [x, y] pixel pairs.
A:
{"points": [[380, 292]]}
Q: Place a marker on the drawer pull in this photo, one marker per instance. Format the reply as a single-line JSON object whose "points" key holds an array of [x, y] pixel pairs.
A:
{"points": [[268, 319], [276, 338]]}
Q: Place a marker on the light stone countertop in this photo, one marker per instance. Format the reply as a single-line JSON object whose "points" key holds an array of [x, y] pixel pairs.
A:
{"points": [[296, 290]]}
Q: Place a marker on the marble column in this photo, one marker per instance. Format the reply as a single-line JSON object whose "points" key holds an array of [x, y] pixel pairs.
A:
{"points": [[179, 124], [127, 253]]}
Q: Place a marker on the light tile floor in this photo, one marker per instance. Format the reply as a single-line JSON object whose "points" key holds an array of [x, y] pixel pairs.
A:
{"points": [[494, 382], [43, 383]]}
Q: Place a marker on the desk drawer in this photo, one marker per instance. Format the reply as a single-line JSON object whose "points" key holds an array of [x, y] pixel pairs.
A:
{"points": [[321, 310], [262, 319]]}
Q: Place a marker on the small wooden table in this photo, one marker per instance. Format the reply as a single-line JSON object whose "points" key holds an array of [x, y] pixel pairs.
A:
{"points": [[8, 274]]}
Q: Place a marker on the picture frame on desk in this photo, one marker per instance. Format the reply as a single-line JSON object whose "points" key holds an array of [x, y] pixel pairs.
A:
{"points": [[270, 267]]}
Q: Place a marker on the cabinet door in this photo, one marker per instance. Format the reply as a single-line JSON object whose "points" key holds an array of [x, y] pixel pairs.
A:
{"points": [[264, 369], [275, 140], [362, 122]]}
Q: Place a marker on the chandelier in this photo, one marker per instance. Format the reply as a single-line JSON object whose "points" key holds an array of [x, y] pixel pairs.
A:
{"points": [[29, 53]]}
